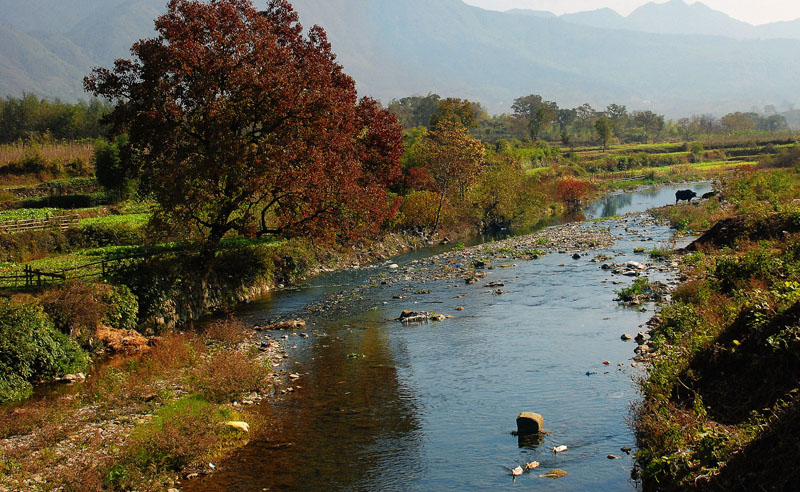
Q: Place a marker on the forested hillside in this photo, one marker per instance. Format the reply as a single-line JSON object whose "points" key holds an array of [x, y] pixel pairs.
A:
{"points": [[398, 48]]}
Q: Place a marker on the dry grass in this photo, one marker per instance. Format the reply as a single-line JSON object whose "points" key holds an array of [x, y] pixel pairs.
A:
{"points": [[230, 332], [228, 374], [64, 152]]}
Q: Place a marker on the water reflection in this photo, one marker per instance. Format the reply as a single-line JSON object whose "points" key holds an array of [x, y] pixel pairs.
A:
{"points": [[348, 415], [641, 200]]}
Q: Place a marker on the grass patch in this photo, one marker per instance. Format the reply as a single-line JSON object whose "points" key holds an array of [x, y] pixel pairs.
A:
{"points": [[182, 434]]}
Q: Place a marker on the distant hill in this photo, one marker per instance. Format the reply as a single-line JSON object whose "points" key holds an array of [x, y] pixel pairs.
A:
{"points": [[455, 49], [397, 48], [678, 17], [601, 18]]}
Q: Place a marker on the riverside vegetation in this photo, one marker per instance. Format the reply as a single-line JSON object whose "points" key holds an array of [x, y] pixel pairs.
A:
{"points": [[720, 407], [156, 246]]}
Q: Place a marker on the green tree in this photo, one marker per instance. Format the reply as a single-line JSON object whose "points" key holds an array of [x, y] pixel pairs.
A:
{"points": [[454, 109], [536, 112], [415, 111], [452, 157], [737, 122], [650, 123], [605, 130], [618, 115], [113, 166]]}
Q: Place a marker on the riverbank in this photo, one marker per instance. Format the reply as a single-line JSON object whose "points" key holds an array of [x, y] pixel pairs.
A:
{"points": [[143, 422], [720, 406]]}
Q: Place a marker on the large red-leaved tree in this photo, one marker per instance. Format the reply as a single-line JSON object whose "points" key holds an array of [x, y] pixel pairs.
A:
{"points": [[241, 122]]}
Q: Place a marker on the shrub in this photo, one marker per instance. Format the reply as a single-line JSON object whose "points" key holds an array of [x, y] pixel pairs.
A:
{"points": [[572, 190], [678, 319], [76, 307], [758, 264], [28, 245], [31, 348], [122, 308], [113, 167], [67, 201], [419, 210], [100, 235], [229, 332], [227, 375], [639, 287]]}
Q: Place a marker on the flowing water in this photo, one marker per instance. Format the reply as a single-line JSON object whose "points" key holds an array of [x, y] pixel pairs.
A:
{"points": [[385, 407]]}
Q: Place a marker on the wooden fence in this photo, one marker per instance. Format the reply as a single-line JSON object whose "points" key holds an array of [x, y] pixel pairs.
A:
{"points": [[61, 222], [34, 279]]}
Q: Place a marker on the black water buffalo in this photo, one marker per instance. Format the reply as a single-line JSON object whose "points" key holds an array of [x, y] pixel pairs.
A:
{"points": [[684, 195], [710, 194]]}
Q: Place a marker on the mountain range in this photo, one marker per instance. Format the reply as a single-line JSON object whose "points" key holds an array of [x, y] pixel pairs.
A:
{"points": [[678, 17], [674, 58]]}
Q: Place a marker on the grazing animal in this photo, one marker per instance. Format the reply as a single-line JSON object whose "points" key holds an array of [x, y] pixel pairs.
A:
{"points": [[684, 195], [710, 194]]}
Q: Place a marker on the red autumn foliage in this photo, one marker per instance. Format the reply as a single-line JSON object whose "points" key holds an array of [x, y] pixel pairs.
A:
{"points": [[572, 190], [241, 122], [418, 178]]}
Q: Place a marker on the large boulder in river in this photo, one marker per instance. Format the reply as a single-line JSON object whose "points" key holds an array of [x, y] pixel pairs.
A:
{"points": [[412, 317], [529, 423]]}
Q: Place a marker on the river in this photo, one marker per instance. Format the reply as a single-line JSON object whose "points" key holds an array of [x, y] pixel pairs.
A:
{"points": [[381, 406]]}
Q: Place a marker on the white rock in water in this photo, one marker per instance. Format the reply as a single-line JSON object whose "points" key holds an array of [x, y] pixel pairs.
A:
{"points": [[394, 266]]}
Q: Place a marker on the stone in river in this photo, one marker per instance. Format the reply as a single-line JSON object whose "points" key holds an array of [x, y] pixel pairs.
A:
{"points": [[529, 423]]}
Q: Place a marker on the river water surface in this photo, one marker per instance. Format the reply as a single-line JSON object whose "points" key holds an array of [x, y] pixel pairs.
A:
{"points": [[381, 406]]}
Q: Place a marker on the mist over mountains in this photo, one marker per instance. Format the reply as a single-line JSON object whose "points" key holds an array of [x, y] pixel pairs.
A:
{"points": [[654, 59]]}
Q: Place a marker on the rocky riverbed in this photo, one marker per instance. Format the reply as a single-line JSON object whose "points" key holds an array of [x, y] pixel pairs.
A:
{"points": [[477, 264]]}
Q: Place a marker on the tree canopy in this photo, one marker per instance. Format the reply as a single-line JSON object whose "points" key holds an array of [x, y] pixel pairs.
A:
{"points": [[244, 123], [452, 157]]}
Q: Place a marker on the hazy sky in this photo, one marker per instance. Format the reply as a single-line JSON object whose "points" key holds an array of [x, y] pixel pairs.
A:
{"points": [[752, 11]]}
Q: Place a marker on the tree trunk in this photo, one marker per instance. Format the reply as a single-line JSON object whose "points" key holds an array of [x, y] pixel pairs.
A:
{"points": [[439, 212], [209, 251]]}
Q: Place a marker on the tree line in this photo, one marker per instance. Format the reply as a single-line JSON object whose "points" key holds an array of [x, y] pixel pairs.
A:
{"points": [[31, 117], [535, 118]]}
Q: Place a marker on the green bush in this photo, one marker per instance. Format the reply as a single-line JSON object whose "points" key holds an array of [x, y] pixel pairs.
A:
{"points": [[100, 235], [26, 245], [678, 319], [759, 264], [122, 308], [113, 167], [67, 202], [31, 349]]}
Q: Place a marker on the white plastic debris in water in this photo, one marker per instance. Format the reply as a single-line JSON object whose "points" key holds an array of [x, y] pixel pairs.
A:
{"points": [[559, 449]]}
